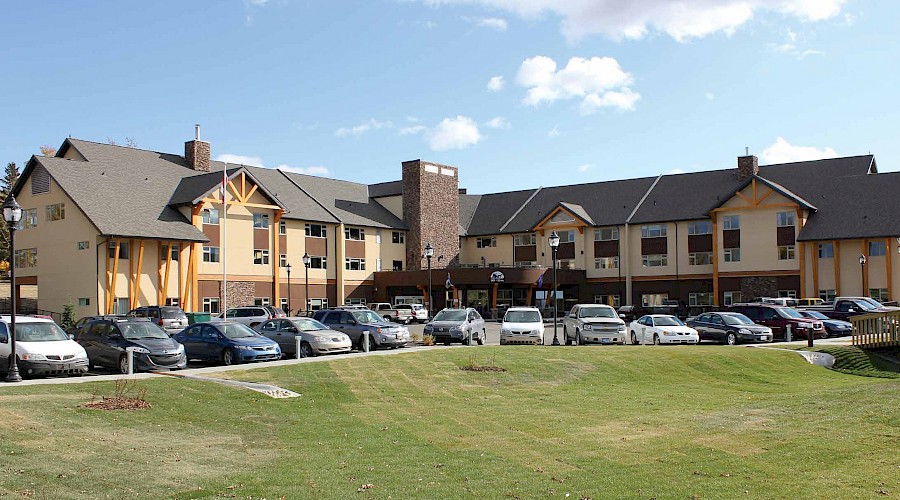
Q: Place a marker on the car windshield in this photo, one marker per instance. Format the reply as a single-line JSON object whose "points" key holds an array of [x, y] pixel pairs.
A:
{"points": [[39, 332], [522, 317], [815, 314], [865, 305], [144, 330], [736, 319], [597, 312], [873, 302], [308, 325], [451, 315], [237, 331], [787, 312], [366, 317], [667, 321]]}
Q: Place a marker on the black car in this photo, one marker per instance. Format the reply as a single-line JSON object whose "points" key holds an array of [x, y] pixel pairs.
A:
{"points": [[630, 313], [74, 329], [730, 328], [107, 340]]}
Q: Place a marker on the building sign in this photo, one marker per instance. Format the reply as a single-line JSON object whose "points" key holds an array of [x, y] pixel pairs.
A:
{"points": [[497, 277]]}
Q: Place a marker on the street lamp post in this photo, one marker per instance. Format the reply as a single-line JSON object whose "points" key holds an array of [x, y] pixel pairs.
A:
{"points": [[12, 213], [289, 288], [862, 273], [554, 244], [429, 253], [306, 280]]}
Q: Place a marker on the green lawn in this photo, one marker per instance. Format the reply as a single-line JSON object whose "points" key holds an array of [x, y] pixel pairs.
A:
{"points": [[599, 422]]}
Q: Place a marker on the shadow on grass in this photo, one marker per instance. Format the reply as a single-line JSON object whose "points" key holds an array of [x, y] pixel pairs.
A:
{"points": [[854, 360]]}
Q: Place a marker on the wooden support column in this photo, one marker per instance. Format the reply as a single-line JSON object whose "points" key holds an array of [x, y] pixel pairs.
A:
{"points": [[112, 285], [802, 248], [194, 265], [528, 297], [815, 269], [136, 276], [865, 269], [715, 258], [276, 260], [159, 276], [165, 286], [129, 281], [837, 267], [888, 267], [494, 296], [106, 292]]}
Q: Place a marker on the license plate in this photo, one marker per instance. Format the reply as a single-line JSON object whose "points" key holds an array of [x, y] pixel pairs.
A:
{"points": [[764, 338], [604, 341]]}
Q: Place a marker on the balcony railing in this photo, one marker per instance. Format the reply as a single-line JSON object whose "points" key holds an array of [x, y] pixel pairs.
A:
{"points": [[876, 330]]}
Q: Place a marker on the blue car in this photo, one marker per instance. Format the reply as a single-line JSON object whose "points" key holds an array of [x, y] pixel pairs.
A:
{"points": [[227, 342], [833, 327]]}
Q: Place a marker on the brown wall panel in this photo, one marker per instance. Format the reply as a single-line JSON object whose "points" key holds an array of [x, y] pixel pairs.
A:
{"points": [[526, 253], [359, 292], [317, 247], [282, 242], [786, 236], [355, 249], [263, 289], [211, 232], [566, 251], [208, 288], [261, 238], [606, 248], [700, 243], [651, 246], [731, 238]]}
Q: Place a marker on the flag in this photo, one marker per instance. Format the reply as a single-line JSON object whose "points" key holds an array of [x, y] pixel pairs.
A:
{"points": [[540, 282], [449, 283]]}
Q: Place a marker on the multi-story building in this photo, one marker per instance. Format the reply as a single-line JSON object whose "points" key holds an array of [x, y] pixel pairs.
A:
{"points": [[110, 228]]}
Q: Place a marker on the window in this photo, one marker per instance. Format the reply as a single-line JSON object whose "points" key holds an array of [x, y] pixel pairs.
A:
{"points": [[122, 305], [786, 252], [700, 299], [378, 236], [700, 227], [653, 299], [282, 260], [700, 258], [398, 237], [731, 255], [485, 242], [879, 294], [655, 260], [356, 301], [26, 257], [261, 221], [606, 234], [172, 301], [828, 295], [84, 302], [123, 250], [282, 227], [56, 212], [317, 262], [354, 264], [261, 301], [610, 300], [211, 305], [876, 248], [521, 240], [29, 218], [731, 222], [354, 233], [378, 264], [84, 245], [260, 256], [315, 230], [211, 216], [397, 265], [653, 231], [732, 298], [566, 236], [826, 250], [175, 251], [210, 254], [606, 263], [785, 219], [317, 304], [790, 294]]}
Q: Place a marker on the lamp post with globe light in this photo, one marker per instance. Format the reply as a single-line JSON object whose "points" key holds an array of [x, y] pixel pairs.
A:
{"points": [[554, 244], [306, 261], [12, 214], [429, 253]]}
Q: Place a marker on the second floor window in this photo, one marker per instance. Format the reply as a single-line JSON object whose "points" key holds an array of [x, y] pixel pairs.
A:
{"points": [[566, 236], [653, 231], [700, 227], [876, 248], [786, 219], [317, 262], [397, 265], [355, 264], [655, 260], [260, 256], [397, 237], [26, 258], [165, 248], [731, 255], [521, 240], [699, 258], [261, 221], [485, 242], [826, 250], [315, 230], [282, 260], [786, 252], [731, 222], [56, 212], [282, 227], [29, 218], [210, 254], [354, 233], [123, 250], [606, 263], [211, 216], [606, 234]]}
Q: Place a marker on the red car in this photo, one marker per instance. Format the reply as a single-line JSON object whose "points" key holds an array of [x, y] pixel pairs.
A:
{"points": [[779, 317]]}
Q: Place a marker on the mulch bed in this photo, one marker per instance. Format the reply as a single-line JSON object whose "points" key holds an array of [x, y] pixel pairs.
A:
{"points": [[117, 404], [482, 369]]}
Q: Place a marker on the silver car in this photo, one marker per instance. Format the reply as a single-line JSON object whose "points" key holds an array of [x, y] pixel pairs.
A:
{"points": [[251, 316], [597, 323], [457, 325], [315, 338]]}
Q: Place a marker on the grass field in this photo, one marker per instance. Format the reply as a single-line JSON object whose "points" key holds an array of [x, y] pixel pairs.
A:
{"points": [[617, 422]]}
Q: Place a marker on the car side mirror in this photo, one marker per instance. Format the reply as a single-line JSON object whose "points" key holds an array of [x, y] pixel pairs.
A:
{"points": [[622, 316], [851, 310], [71, 337], [292, 329]]}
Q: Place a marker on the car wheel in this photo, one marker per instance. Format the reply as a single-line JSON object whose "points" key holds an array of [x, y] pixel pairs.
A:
{"points": [[731, 339], [482, 337], [306, 350], [227, 357], [655, 339], [123, 364], [566, 340], [372, 345], [578, 340], [825, 334], [446, 342], [633, 338]]}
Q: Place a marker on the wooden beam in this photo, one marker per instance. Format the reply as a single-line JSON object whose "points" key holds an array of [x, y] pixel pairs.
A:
{"points": [[107, 292], [494, 296], [755, 199], [744, 197], [136, 282], [802, 248], [159, 271], [764, 196], [773, 205], [165, 290], [195, 282], [115, 272], [130, 282], [234, 189], [240, 203], [187, 279], [244, 187], [888, 267], [276, 259], [715, 258], [250, 193]]}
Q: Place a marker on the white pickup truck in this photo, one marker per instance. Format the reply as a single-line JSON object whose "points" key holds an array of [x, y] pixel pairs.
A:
{"points": [[389, 313]]}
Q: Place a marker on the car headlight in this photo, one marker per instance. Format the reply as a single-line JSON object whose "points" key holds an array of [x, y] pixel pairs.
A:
{"points": [[34, 357], [243, 347], [744, 331], [378, 329], [321, 339], [505, 330], [537, 332], [587, 327], [180, 349], [140, 350], [669, 334], [456, 328], [429, 328], [622, 327]]}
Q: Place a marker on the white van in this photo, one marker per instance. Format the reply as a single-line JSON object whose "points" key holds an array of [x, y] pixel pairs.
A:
{"points": [[522, 325], [42, 348]]}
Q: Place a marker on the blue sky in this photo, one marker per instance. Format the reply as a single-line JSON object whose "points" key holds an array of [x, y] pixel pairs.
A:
{"points": [[517, 94]]}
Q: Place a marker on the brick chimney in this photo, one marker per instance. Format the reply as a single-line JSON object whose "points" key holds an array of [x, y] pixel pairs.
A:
{"points": [[748, 166], [431, 210], [196, 152]]}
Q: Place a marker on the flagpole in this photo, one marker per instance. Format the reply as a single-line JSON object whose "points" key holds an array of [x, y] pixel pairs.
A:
{"points": [[224, 242]]}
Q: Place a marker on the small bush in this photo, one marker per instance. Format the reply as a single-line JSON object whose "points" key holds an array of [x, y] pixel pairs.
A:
{"points": [[127, 395], [428, 340], [473, 365]]}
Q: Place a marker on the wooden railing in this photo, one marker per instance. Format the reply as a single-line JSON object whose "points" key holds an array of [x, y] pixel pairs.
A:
{"points": [[876, 330]]}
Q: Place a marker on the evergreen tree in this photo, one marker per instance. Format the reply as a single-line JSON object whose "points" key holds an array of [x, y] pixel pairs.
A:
{"points": [[68, 315], [10, 177]]}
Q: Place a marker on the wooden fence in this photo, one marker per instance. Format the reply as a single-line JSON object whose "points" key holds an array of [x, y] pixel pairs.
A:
{"points": [[876, 330]]}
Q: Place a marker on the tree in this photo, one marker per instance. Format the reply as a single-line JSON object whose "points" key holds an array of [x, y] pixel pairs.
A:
{"points": [[10, 177], [68, 315]]}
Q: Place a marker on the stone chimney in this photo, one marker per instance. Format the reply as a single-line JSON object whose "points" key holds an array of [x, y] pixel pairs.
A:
{"points": [[748, 166], [196, 152], [431, 210]]}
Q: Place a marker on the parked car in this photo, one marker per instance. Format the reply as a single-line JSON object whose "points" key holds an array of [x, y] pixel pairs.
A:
{"points": [[778, 318], [629, 313], [227, 342], [251, 316], [316, 338], [662, 329], [593, 323], [354, 322], [844, 308], [107, 340], [172, 319], [390, 313], [42, 348], [779, 301], [74, 329], [833, 327], [729, 327], [457, 325], [810, 301], [418, 313], [275, 312], [522, 325]]}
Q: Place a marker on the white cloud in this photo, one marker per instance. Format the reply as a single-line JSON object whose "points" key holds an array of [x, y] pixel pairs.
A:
{"points": [[782, 151], [553, 132], [496, 83], [598, 81], [675, 171], [811, 52], [364, 127], [710, 96], [635, 19], [494, 23], [790, 46], [497, 122], [256, 161], [454, 133], [584, 168], [415, 129]]}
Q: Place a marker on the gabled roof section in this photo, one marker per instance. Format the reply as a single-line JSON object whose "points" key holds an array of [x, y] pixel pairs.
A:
{"points": [[300, 205], [864, 206], [383, 189], [192, 190], [577, 211], [348, 201], [495, 210], [468, 205], [776, 187]]}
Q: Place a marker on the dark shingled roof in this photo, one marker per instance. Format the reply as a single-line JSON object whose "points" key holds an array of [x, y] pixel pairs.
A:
{"points": [[468, 204], [494, 210], [349, 201], [392, 188], [299, 204], [687, 196], [865, 206], [192, 187]]}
